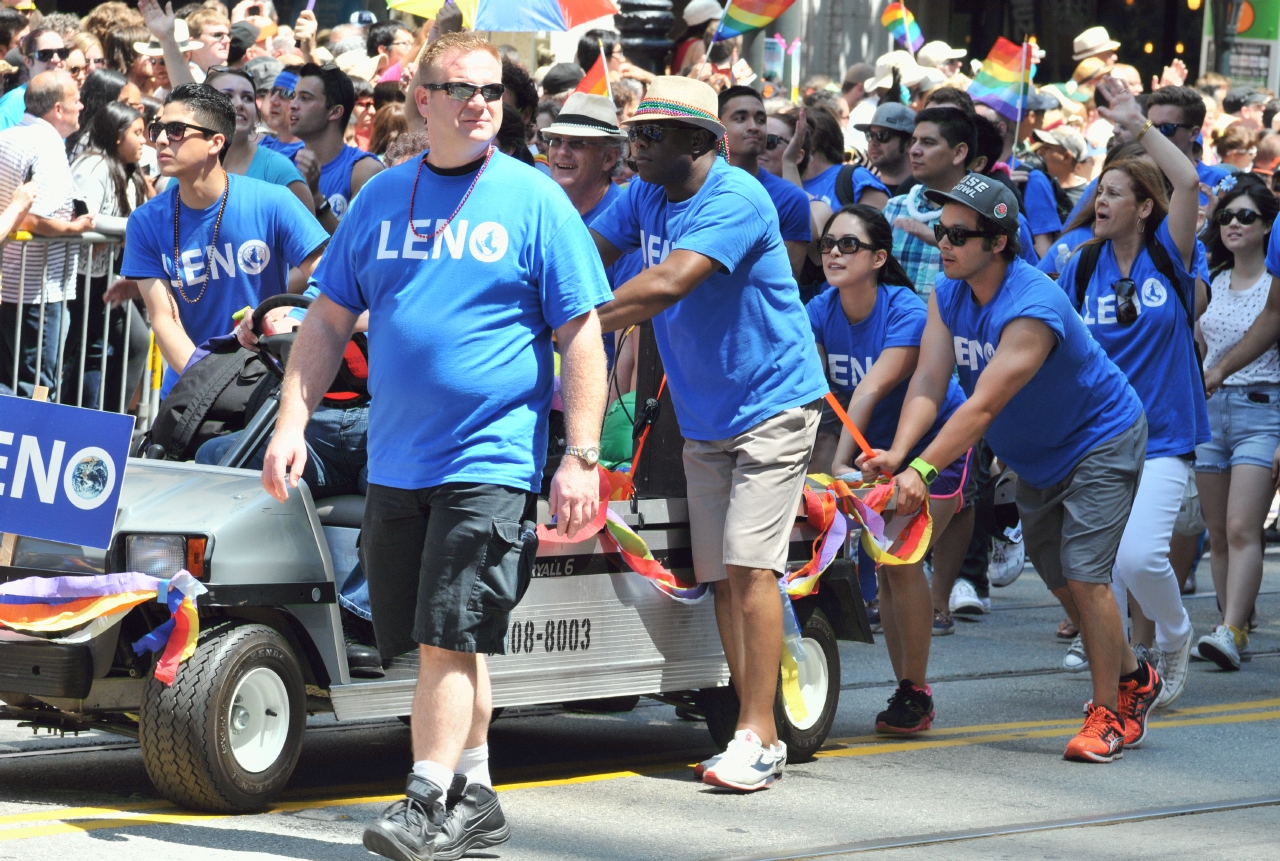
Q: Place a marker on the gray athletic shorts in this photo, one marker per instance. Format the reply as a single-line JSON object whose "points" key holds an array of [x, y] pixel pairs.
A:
{"points": [[744, 493], [1072, 529]]}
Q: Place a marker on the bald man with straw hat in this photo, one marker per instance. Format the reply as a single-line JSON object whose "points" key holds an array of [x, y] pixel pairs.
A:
{"points": [[744, 376]]}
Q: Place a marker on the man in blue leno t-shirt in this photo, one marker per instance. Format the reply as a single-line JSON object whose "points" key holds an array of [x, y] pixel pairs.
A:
{"points": [[467, 262], [742, 114], [1052, 406], [323, 100], [237, 237], [744, 377]]}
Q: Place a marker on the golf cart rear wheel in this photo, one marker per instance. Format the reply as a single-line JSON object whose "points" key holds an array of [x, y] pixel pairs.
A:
{"points": [[226, 736], [819, 687]]}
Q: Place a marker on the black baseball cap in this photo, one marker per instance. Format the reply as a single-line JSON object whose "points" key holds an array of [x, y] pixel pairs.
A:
{"points": [[1238, 97], [985, 196]]}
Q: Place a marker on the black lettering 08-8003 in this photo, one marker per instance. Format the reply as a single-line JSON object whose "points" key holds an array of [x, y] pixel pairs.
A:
{"points": [[552, 636]]}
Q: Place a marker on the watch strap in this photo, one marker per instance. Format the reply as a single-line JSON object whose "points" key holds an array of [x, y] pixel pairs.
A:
{"points": [[927, 471]]}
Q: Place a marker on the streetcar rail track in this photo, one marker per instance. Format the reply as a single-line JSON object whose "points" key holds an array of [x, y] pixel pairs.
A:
{"points": [[914, 841]]}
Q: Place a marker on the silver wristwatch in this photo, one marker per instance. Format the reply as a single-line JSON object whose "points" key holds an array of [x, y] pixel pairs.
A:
{"points": [[589, 454]]}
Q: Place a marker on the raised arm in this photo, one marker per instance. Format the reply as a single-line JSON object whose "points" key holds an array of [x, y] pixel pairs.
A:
{"points": [[160, 22]]}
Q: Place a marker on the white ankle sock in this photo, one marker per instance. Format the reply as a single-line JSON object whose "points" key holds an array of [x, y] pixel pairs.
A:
{"points": [[474, 763], [440, 775]]}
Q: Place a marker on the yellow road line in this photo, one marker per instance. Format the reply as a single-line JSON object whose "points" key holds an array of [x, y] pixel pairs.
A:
{"points": [[61, 821]]}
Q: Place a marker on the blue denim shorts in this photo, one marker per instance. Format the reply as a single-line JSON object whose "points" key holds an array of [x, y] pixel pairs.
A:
{"points": [[1244, 431]]}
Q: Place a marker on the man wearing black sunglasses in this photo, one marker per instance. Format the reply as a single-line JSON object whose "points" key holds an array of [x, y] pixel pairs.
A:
{"points": [[888, 136], [1050, 404], [744, 119], [322, 102], [42, 50]]}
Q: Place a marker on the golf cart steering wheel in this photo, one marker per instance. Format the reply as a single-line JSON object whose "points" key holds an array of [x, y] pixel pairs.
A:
{"points": [[273, 350]]}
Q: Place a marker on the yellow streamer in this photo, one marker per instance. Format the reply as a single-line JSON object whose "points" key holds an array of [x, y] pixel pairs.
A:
{"points": [[791, 687]]}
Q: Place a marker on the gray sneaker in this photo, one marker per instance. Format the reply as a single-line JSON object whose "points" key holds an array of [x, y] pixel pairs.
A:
{"points": [[406, 831], [474, 821], [1172, 668], [1220, 647], [1076, 661]]}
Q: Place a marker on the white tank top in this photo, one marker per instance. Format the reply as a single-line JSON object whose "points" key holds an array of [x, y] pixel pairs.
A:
{"points": [[1228, 317]]}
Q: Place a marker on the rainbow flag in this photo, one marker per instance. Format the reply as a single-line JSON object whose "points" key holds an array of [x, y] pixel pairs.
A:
{"points": [[596, 81], [901, 24], [746, 16], [1002, 84]]}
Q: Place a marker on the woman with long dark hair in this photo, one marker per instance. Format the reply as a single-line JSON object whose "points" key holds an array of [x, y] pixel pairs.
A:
{"points": [[243, 156], [1236, 470], [113, 186], [1139, 302], [868, 326], [101, 87]]}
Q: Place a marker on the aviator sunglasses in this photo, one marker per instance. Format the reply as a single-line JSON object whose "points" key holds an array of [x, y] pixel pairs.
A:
{"points": [[1126, 308]]}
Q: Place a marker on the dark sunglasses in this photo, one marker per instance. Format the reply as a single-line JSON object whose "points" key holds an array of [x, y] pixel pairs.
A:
{"points": [[654, 132], [463, 92], [772, 142], [1171, 129], [1126, 308], [287, 95], [44, 55], [846, 244], [575, 144], [882, 136], [958, 236], [1244, 216], [175, 131]]}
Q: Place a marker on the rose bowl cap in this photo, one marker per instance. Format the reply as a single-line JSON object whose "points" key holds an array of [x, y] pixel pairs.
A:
{"points": [[987, 197]]}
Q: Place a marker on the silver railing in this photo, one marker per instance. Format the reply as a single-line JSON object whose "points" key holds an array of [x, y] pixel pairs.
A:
{"points": [[100, 336]]}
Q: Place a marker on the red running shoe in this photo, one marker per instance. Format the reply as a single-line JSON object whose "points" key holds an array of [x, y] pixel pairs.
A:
{"points": [[1101, 739], [1135, 704]]}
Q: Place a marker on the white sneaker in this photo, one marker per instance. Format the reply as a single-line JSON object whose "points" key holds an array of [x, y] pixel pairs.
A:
{"points": [[1076, 660], [746, 764], [1172, 668], [701, 768], [1007, 559], [965, 601], [1220, 647]]}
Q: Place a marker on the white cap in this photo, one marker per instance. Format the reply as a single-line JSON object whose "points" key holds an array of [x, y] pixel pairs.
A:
{"points": [[702, 11], [935, 53]]}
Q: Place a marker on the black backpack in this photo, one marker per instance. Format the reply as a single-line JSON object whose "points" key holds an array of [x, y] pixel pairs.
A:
{"points": [[217, 395]]}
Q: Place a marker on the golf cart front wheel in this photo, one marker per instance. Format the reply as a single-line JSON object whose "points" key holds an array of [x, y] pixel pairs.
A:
{"points": [[225, 737]]}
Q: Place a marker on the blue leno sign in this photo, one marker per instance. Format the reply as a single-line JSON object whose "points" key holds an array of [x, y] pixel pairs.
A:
{"points": [[61, 470]]}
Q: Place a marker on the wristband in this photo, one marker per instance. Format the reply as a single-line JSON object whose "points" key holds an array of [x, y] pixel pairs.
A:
{"points": [[323, 208], [927, 471], [1146, 128]]}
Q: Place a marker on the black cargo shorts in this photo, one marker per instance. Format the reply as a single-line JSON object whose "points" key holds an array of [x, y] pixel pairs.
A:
{"points": [[446, 565]]}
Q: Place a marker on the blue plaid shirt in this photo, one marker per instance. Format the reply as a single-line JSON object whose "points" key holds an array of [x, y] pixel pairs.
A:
{"points": [[922, 261]]}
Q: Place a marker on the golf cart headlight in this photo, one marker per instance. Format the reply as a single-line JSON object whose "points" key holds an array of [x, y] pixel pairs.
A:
{"points": [[155, 555]]}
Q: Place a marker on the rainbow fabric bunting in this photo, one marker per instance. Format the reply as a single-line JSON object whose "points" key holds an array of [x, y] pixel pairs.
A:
{"points": [[747, 16], [95, 603], [1002, 82], [901, 24]]}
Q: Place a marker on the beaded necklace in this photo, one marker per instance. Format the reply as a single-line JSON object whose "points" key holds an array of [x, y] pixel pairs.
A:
{"points": [[177, 264], [413, 194]]}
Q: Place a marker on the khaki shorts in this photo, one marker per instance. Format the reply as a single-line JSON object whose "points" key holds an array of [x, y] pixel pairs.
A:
{"points": [[744, 492]]}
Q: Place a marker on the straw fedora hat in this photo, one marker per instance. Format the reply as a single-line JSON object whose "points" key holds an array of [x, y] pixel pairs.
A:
{"points": [[587, 116], [1095, 40], [682, 99], [181, 35]]}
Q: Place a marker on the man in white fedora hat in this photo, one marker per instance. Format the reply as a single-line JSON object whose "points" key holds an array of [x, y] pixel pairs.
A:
{"points": [[941, 56], [169, 48], [744, 377], [1095, 42]]}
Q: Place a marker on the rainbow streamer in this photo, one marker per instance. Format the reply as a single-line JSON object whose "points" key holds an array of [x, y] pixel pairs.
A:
{"points": [[901, 24], [95, 603], [1002, 82], [747, 16]]}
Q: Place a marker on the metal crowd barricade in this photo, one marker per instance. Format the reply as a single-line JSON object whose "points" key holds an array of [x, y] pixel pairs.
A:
{"points": [[69, 383]]}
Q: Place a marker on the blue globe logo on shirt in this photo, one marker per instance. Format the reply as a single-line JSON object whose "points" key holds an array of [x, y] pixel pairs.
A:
{"points": [[1153, 293], [253, 256], [89, 477], [488, 242]]}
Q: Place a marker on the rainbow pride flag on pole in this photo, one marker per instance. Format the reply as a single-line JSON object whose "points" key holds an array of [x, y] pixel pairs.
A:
{"points": [[596, 81], [1004, 79], [95, 603], [746, 16], [901, 24]]}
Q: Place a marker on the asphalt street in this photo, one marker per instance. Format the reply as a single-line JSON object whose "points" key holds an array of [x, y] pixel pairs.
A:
{"points": [[987, 782]]}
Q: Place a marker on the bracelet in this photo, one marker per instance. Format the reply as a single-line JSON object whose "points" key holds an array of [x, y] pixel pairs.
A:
{"points": [[1144, 130], [324, 207]]}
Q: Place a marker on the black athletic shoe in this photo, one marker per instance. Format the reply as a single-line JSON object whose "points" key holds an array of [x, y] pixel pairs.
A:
{"points": [[363, 660], [474, 821], [406, 831], [910, 710]]}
